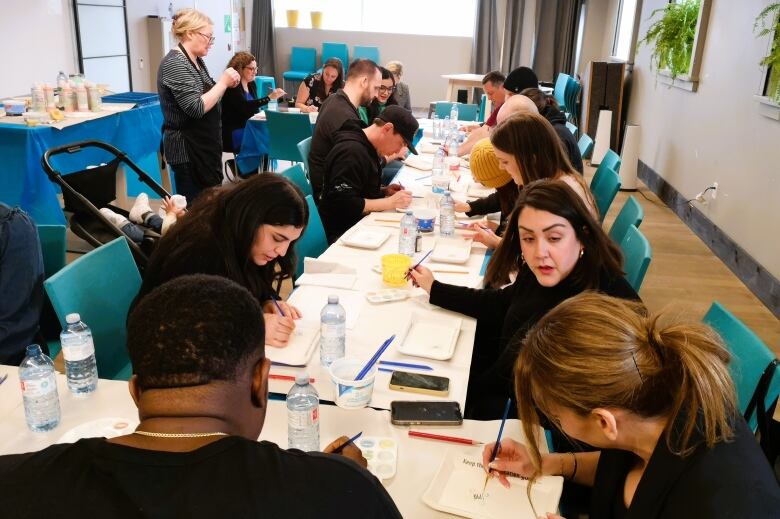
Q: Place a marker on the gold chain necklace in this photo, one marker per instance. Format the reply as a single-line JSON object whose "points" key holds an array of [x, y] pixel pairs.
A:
{"points": [[179, 435]]}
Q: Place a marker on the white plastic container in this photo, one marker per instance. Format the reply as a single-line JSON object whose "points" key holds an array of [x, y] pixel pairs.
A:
{"points": [[352, 394]]}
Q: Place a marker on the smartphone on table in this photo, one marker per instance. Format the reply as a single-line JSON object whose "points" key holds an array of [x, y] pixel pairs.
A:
{"points": [[420, 383], [425, 413]]}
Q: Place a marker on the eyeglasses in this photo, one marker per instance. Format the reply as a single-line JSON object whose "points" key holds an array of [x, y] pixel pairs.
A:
{"points": [[386, 89], [253, 69], [211, 39]]}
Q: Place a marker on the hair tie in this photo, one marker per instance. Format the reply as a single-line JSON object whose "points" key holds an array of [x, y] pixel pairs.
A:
{"points": [[636, 365]]}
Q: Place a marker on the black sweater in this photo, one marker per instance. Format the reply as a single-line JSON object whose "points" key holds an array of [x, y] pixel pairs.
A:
{"points": [[558, 120], [236, 110], [504, 316], [353, 171]]}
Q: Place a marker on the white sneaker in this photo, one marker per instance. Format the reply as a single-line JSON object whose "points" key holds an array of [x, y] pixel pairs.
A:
{"points": [[116, 219], [140, 208]]}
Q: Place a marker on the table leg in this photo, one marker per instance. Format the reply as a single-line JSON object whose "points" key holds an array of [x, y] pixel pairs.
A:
{"points": [[451, 91]]}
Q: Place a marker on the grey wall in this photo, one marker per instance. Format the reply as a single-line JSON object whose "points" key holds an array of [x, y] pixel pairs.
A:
{"points": [[717, 134]]}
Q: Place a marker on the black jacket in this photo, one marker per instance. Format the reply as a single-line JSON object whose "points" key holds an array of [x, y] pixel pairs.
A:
{"points": [[353, 170], [236, 110], [504, 316], [558, 120], [733, 479]]}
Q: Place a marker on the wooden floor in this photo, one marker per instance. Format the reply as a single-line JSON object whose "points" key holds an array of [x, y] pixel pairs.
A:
{"points": [[685, 276]]}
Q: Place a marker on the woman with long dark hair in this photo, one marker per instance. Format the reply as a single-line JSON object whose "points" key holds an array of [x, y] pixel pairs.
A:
{"points": [[558, 250], [245, 233], [315, 88]]}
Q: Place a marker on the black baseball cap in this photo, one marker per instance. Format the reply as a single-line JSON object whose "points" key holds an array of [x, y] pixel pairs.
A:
{"points": [[404, 124], [520, 79]]}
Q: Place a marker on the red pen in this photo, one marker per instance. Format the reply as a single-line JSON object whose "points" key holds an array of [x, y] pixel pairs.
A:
{"points": [[291, 378], [453, 439]]}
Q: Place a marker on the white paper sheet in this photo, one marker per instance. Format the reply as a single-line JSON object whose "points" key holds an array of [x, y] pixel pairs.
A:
{"points": [[310, 300]]}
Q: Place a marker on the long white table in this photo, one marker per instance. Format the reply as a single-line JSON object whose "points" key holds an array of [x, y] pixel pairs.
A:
{"points": [[418, 459]]}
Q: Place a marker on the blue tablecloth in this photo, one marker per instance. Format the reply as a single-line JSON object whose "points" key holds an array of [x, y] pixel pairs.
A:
{"points": [[23, 181], [254, 144]]}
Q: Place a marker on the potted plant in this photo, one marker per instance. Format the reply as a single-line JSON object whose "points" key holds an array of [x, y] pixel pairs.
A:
{"points": [[767, 23], [672, 36]]}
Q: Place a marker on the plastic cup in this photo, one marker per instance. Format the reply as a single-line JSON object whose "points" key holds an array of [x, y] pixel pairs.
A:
{"points": [[351, 393], [425, 219], [395, 267]]}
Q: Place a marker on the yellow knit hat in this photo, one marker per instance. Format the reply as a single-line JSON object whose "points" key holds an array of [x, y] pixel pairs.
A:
{"points": [[484, 166]]}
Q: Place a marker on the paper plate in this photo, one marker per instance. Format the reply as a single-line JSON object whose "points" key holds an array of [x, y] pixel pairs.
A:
{"points": [[365, 238]]}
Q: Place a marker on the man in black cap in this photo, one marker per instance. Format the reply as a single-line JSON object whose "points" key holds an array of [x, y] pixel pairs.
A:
{"points": [[353, 170], [520, 79]]}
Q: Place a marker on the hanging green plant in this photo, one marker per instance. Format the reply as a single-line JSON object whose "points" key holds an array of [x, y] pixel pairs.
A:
{"points": [[768, 22], [671, 37]]}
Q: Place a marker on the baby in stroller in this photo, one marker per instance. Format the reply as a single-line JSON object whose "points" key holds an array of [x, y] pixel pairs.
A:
{"points": [[142, 217]]}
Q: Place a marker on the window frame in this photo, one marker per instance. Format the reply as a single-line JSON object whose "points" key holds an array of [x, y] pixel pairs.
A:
{"points": [[634, 32]]}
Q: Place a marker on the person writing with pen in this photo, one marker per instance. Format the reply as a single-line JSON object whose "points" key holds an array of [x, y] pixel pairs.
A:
{"points": [[245, 232]]}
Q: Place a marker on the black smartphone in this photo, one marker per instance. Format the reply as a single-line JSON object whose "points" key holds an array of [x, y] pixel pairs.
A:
{"points": [[425, 413], [420, 383]]}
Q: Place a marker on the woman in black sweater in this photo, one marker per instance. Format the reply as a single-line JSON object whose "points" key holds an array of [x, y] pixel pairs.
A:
{"points": [[241, 102], [558, 250]]}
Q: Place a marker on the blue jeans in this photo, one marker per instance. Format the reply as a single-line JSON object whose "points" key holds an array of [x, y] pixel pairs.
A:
{"points": [[136, 232], [21, 284]]}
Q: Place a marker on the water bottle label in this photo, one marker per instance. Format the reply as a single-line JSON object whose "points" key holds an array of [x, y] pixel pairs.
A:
{"points": [[333, 331], [303, 419], [39, 387], [76, 352]]}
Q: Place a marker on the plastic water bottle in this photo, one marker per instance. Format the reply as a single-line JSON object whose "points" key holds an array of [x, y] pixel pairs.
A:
{"points": [[303, 416], [440, 178], [447, 215], [273, 105], [39, 390], [408, 235], [333, 324], [454, 143], [454, 115], [79, 352], [62, 78]]}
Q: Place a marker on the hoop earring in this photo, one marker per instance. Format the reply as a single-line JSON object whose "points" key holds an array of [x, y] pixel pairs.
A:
{"points": [[582, 252]]}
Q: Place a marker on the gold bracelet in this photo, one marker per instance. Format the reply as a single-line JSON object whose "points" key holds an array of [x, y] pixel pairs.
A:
{"points": [[573, 472]]}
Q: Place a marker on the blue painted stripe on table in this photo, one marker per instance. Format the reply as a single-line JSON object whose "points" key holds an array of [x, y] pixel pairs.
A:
{"points": [[488, 254]]}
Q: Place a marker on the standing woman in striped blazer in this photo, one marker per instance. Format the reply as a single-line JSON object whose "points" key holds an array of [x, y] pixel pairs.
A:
{"points": [[189, 99]]}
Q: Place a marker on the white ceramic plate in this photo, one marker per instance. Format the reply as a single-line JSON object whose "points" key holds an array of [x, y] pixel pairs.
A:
{"points": [[451, 250], [431, 336], [303, 341], [365, 238]]}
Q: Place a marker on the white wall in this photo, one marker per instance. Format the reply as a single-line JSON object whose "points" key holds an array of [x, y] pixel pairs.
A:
{"points": [[425, 58], [599, 31], [717, 133]]}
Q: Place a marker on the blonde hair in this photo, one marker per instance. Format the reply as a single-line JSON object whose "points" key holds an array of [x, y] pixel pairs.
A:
{"points": [[395, 67], [595, 351], [187, 21]]}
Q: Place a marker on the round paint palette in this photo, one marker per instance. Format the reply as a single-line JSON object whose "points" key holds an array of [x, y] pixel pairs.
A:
{"points": [[381, 454]]}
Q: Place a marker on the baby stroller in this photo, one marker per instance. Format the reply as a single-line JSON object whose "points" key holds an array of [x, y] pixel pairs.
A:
{"points": [[86, 191]]}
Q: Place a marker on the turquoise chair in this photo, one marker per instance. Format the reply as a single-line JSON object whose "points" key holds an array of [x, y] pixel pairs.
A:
{"points": [[559, 91], [466, 112], [100, 286], [298, 177], [265, 84], [636, 256], [586, 146], [572, 128], [286, 130], [312, 242], [336, 50], [303, 61], [611, 161], [630, 214], [365, 52], [752, 365], [52, 238], [482, 106], [304, 147], [573, 88], [607, 184]]}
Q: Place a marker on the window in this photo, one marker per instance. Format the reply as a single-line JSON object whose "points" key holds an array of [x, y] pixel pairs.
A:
{"points": [[624, 44], [429, 17]]}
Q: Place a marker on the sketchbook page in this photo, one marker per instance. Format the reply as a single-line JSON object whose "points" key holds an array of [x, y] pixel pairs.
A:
{"points": [[327, 280], [318, 266], [311, 299], [302, 342], [458, 488], [418, 162]]}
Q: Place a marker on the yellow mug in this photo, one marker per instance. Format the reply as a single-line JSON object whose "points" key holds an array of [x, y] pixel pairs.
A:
{"points": [[395, 267]]}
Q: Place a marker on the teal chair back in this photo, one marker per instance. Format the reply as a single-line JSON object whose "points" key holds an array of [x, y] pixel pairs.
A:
{"points": [[630, 214], [466, 112], [286, 130], [312, 242], [482, 107], [572, 128], [365, 52], [52, 238], [607, 184], [751, 362], [636, 256], [264, 84], [611, 161], [303, 59], [298, 177], [304, 147], [100, 286], [573, 88], [336, 50], [559, 91], [586, 146]]}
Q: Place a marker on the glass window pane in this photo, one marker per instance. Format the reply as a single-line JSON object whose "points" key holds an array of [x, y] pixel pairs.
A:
{"points": [[625, 29]]}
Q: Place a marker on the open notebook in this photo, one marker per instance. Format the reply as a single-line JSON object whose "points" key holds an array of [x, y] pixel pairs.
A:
{"points": [[458, 486]]}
